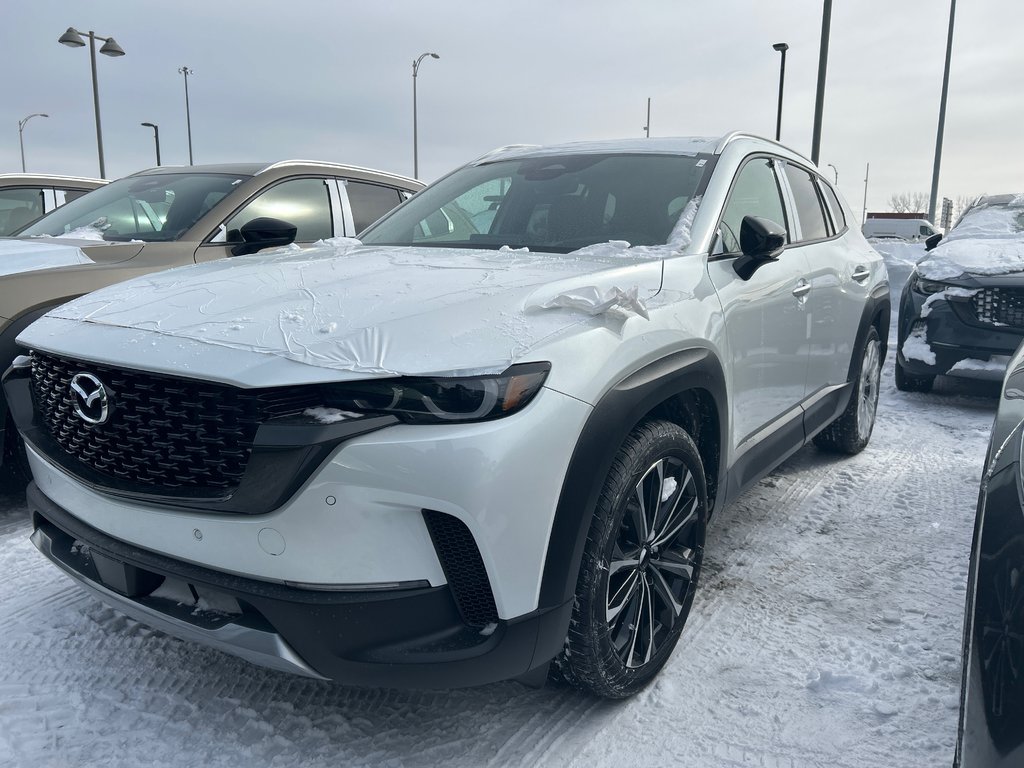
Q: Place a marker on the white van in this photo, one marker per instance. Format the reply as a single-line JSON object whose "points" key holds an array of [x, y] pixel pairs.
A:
{"points": [[900, 229]]}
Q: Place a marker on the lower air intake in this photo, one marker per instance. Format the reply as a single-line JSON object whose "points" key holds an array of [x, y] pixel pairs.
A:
{"points": [[463, 568]]}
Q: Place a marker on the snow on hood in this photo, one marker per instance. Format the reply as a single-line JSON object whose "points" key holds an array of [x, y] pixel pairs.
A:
{"points": [[988, 240], [18, 256], [375, 311]]}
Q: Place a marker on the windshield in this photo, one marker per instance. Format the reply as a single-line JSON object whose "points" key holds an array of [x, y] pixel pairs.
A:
{"points": [[996, 216], [550, 203], [160, 207]]}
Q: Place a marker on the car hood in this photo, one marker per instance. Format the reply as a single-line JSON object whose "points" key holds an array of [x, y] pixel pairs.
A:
{"points": [[346, 311], [19, 255], [988, 241]]}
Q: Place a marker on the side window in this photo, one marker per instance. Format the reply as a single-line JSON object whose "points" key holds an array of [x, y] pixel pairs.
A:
{"points": [[925, 231], [302, 202], [808, 204], [834, 207], [369, 202], [73, 194], [755, 193], [18, 207]]}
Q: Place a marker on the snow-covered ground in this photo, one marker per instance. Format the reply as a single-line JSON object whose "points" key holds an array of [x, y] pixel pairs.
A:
{"points": [[826, 633]]}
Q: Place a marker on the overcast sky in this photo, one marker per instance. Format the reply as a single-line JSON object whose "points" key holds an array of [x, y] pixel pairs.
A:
{"points": [[332, 81]]}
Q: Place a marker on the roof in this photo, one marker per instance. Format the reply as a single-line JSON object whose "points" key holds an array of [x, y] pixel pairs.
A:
{"points": [[254, 169], [54, 177], [686, 145]]}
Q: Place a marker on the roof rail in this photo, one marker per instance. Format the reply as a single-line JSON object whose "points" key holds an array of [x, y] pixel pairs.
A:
{"points": [[335, 166], [734, 135]]}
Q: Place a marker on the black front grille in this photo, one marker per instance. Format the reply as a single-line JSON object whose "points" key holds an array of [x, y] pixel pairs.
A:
{"points": [[1000, 306], [463, 567], [163, 434]]}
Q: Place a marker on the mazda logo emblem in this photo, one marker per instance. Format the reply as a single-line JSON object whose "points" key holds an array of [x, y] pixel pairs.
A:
{"points": [[90, 397]]}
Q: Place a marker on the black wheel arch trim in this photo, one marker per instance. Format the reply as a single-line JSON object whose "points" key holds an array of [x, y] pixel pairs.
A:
{"points": [[618, 411]]}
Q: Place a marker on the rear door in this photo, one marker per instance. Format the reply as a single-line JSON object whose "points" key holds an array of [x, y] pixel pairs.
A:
{"points": [[838, 275]]}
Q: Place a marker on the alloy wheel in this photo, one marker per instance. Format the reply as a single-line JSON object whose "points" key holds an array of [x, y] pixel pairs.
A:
{"points": [[654, 561]]}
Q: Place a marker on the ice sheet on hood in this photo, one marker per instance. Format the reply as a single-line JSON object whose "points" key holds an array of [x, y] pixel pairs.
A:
{"points": [[594, 301], [373, 311], [989, 240], [18, 256], [976, 257]]}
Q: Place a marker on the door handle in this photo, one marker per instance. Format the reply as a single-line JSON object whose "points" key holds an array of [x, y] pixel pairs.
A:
{"points": [[802, 289], [861, 274]]}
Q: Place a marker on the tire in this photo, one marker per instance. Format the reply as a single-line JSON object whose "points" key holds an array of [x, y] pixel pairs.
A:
{"points": [[907, 383], [851, 432], [638, 566]]}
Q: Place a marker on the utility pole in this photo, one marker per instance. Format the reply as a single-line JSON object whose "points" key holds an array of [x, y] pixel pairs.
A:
{"points": [[647, 128], [942, 116], [819, 101], [188, 113], [864, 214]]}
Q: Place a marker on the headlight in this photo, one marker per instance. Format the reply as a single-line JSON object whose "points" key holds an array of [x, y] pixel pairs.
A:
{"points": [[432, 400], [928, 287]]}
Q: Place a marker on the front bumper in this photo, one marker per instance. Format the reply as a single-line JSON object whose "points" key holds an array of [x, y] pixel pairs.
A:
{"points": [[953, 335], [411, 636]]}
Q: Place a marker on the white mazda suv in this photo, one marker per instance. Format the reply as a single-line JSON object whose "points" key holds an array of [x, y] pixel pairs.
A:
{"points": [[483, 441]]}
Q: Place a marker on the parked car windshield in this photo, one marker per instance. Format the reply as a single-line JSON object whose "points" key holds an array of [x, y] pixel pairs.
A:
{"points": [[160, 207], [555, 203]]}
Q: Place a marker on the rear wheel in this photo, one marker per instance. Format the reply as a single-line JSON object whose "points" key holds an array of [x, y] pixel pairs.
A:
{"points": [[640, 565], [905, 382], [851, 432]]}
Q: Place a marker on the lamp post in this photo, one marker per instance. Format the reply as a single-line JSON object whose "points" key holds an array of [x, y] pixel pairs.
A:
{"points": [[415, 134], [836, 172], [73, 39], [647, 128], [156, 138], [781, 48], [21, 140], [188, 113]]}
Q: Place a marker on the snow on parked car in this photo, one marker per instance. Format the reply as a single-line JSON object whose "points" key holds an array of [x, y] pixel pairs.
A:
{"points": [[471, 444], [962, 310]]}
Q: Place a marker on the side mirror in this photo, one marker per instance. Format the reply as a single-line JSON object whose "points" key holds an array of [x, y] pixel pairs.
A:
{"points": [[931, 241], [761, 241], [264, 232]]}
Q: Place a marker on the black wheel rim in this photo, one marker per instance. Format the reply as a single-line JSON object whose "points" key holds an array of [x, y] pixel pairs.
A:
{"points": [[654, 562]]}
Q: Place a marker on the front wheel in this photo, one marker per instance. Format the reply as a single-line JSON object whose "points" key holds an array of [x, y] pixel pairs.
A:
{"points": [[640, 565], [852, 430]]}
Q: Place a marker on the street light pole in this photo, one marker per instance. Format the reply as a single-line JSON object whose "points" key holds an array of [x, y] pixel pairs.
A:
{"points": [[942, 116], [156, 138], [647, 128], [21, 139], [819, 101], [836, 172], [73, 39], [188, 113], [415, 129], [781, 48]]}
